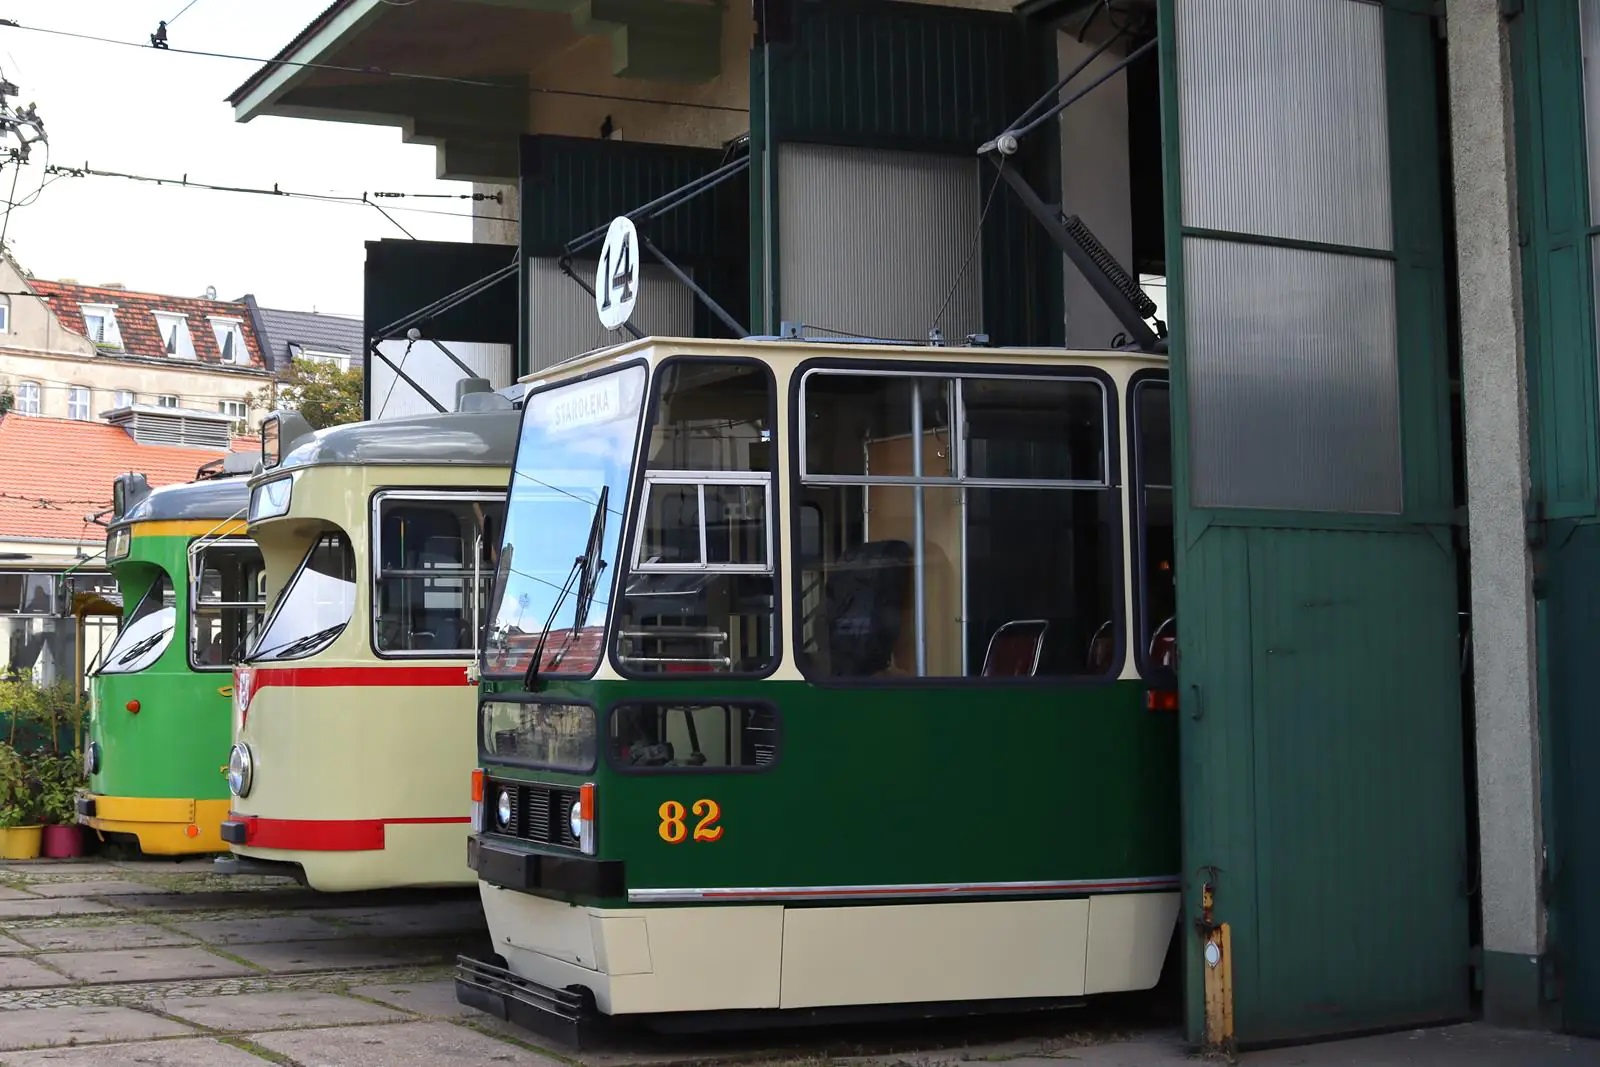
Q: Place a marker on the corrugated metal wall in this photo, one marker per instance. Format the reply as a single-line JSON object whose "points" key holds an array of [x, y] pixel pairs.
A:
{"points": [[562, 319], [883, 76], [427, 365], [875, 240]]}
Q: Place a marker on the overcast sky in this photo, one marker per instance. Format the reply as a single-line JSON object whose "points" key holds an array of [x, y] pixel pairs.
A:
{"points": [[143, 111]]}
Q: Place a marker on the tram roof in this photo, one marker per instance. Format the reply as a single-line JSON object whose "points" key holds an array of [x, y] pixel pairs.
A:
{"points": [[454, 438], [798, 348], [213, 498]]}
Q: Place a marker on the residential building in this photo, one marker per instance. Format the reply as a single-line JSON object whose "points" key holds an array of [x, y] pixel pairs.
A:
{"points": [[289, 335], [72, 351], [55, 480]]}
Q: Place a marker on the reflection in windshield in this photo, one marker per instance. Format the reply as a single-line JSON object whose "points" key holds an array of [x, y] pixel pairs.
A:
{"points": [[577, 440], [146, 633], [316, 606]]}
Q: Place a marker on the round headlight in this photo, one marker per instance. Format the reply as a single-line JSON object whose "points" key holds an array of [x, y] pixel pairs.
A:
{"points": [[502, 809], [91, 758], [575, 820], [241, 769]]}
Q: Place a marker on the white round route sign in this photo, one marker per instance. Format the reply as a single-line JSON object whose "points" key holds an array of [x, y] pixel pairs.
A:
{"points": [[616, 278]]}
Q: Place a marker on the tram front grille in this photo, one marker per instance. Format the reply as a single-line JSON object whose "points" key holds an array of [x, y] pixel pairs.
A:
{"points": [[539, 813]]}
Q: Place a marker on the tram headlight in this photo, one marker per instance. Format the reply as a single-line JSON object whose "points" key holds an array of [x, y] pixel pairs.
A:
{"points": [[502, 808], [575, 820], [271, 499], [241, 769], [91, 758]]}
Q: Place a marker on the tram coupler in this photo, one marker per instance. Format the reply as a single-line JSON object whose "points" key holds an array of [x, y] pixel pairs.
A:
{"points": [[558, 1014]]}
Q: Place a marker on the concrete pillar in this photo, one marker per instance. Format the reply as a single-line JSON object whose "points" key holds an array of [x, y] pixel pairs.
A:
{"points": [[1504, 643], [492, 223]]}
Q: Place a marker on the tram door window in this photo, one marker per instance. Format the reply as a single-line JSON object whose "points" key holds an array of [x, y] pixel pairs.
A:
{"points": [[1012, 499], [667, 735], [428, 594], [316, 606], [230, 597], [1152, 473], [146, 630], [700, 593]]}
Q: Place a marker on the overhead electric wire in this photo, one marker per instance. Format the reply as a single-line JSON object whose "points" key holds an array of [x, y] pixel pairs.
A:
{"points": [[364, 199], [447, 79], [179, 15]]}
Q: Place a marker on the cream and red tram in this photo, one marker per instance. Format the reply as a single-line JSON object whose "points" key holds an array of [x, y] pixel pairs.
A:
{"points": [[353, 710], [828, 676]]}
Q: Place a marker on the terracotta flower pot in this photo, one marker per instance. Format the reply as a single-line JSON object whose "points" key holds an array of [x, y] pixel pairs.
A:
{"points": [[63, 842]]}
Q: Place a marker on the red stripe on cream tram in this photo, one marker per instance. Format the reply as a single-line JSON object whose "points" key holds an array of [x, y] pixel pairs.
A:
{"points": [[354, 711]]}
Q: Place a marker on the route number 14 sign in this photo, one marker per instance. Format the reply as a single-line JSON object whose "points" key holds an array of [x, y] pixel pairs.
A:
{"points": [[616, 279]]}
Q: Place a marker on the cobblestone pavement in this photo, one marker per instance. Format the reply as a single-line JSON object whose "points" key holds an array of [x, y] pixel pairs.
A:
{"points": [[108, 962]]}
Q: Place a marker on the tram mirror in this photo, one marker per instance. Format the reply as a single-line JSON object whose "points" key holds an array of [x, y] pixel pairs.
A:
{"points": [[126, 491], [280, 432]]}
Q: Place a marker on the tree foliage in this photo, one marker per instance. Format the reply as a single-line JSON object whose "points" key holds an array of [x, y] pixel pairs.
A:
{"points": [[324, 394]]}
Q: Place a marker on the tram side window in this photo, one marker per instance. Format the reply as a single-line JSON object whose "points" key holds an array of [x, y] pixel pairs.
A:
{"points": [[424, 598], [1153, 481], [1020, 539], [146, 630], [699, 594], [230, 599], [316, 606], [670, 736]]}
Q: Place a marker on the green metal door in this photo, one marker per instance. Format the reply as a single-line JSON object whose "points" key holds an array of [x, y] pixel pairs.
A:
{"points": [[1559, 201], [1322, 733]]}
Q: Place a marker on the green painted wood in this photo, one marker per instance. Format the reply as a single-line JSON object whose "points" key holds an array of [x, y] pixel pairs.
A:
{"points": [[881, 74], [1559, 333], [1321, 741]]}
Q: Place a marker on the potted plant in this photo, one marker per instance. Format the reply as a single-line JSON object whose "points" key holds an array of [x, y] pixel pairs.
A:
{"points": [[21, 835], [59, 778]]}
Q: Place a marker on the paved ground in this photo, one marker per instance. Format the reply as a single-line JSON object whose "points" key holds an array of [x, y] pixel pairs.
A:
{"points": [[168, 965]]}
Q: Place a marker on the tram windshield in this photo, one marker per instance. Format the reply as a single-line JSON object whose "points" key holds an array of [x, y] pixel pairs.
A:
{"points": [[230, 599], [564, 522], [146, 632], [316, 606]]}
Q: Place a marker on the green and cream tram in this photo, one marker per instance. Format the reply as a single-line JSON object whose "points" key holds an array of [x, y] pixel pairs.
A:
{"points": [[828, 676]]}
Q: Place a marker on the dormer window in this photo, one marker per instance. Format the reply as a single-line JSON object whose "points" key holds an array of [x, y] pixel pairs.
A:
{"points": [[100, 324], [175, 339], [230, 339]]}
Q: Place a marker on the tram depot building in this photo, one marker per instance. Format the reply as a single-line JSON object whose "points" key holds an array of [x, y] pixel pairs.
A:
{"points": [[1375, 224]]}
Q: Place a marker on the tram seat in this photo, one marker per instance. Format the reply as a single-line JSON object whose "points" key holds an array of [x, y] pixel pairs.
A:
{"points": [[1015, 649], [864, 600]]}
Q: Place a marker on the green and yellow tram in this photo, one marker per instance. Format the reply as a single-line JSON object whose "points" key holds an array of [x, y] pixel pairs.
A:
{"points": [[192, 586], [828, 676]]}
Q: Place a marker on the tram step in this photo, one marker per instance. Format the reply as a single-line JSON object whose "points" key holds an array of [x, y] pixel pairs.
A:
{"points": [[554, 1013]]}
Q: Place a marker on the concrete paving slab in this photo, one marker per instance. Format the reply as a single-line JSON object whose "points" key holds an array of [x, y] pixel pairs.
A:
{"points": [[177, 1052], [7, 893], [144, 965], [100, 938], [410, 921], [47, 868], [208, 900], [89, 887], [1470, 1045], [400, 1045], [256, 931], [38, 1027], [17, 972], [294, 956], [240, 1012], [41, 908], [434, 999], [9, 945]]}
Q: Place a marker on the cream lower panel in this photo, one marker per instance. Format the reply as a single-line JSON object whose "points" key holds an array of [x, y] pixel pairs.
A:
{"points": [[897, 954], [1129, 937], [645, 960], [413, 857]]}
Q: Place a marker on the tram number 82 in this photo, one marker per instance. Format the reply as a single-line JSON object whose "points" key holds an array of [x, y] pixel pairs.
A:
{"points": [[674, 828]]}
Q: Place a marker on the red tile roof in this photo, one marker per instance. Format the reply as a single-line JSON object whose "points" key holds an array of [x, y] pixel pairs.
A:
{"points": [[53, 472], [141, 336]]}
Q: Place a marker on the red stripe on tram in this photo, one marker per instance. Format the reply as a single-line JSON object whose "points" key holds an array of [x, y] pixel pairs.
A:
{"points": [[357, 677], [326, 835]]}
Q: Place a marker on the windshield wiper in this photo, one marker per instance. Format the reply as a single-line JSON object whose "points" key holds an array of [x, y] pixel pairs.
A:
{"points": [[142, 647], [300, 645], [579, 571]]}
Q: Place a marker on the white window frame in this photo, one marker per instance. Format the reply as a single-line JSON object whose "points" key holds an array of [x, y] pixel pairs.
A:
{"points": [[701, 479], [5, 314], [76, 393], [123, 398], [161, 400], [165, 321], [336, 359], [21, 406], [238, 409], [375, 575], [235, 327], [110, 331]]}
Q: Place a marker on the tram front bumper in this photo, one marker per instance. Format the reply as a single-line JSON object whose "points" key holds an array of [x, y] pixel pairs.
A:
{"points": [[515, 868], [164, 826], [559, 1014]]}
